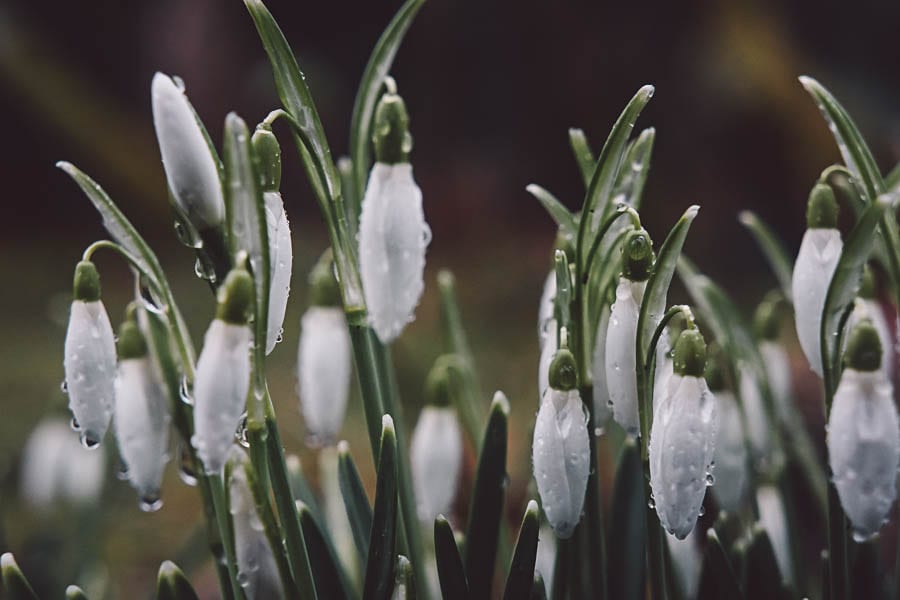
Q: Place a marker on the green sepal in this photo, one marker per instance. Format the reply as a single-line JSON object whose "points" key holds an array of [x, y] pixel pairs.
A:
{"points": [[626, 530], [86, 284], [131, 343], [268, 156], [379, 578], [359, 512], [486, 508], [324, 289], [172, 584], [781, 263], [717, 577], [15, 584], [439, 389], [864, 350], [520, 579], [73, 592], [390, 134], [689, 358], [449, 563], [637, 255], [235, 297], [821, 208], [563, 371], [330, 579]]}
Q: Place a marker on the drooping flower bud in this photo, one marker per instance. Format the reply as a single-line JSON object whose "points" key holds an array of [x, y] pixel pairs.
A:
{"points": [[222, 379], [775, 358], [90, 358], [864, 435], [682, 439], [819, 253], [561, 447], [191, 169], [393, 234], [731, 472], [687, 561], [323, 358], [142, 416], [758, 424], [773, 519], [867, 307]]}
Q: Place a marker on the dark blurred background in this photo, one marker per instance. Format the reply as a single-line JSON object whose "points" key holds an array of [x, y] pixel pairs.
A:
{"points": [[491, 87]]}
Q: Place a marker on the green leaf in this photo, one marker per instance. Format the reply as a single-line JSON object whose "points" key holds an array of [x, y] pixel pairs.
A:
{"points": [[635, 169], [449, 564], [892, 180], [160, 345], [762, 579], [15, 585], [172, 584], [359, 513], [73, 592], [301, 490], [626, 530], [486, 509], [330, 579], [654, 303], [520, 579], [772, 248], [405, 581], [379, 579], [584, 156], [538, 588], [562, 303], [561, 215], [369, 91], [717, 577]]}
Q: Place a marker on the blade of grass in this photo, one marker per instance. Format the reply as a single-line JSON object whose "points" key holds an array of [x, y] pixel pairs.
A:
{"points": [[359, 513], [584, 156], [521, 572], [449, 563], [331, 580], [379, 579], [561, 215], [717, 577], [172, 584]]}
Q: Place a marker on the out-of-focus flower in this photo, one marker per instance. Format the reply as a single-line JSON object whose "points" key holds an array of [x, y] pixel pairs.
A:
{"points": [[687, 560], [603, 410], [773, 519], [436, 460]]}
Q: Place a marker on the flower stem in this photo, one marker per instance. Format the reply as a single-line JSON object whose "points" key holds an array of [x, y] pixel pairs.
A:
{"points": [[217, 490]]}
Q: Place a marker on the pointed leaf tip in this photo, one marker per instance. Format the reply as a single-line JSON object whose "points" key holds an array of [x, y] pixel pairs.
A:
{"points": [[500, 402]]}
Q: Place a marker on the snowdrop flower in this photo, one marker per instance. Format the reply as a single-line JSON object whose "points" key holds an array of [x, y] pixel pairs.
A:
{"points": [[55, 467], [773, 519], [731, 473], [687, 562], [621, 377], [682, 439], [561, 448], [864, 436], [90, 358], [602, 408], [281, 257], [758, 425], [257, 570], [775, 358], [323, 358], [222, 379], [190, 166], [820, 251], [436, 450], [142, 416], [665, 368], [868, 307], [393, 234]]}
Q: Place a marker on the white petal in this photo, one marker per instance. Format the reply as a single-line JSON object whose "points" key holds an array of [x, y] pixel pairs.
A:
{"points": [[142, 426], [548, 349], [778, 370], [758, 425], [90, 366], [665, 368], [730, 453], [281, 260], [190, 168], [819, 252], [393, 237], [773, 519], [436, 458], [682, 441], [323, 369], [602, 407], [545, 309], [864, 449], [687, 561], [621, 377], [221, 383], [561, 457]]}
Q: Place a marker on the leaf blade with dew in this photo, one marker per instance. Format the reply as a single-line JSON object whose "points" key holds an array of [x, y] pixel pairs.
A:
{"points": [[717, 576], [563, 300], [451, 574], [172, 584], [331, 580], [367, 95], [15, 584], [379, 578], [772, 248], [626, 531], [561, 215], [521, 572], [584, 156], [359, 513], [486, 512], [892, 180], [636, 167]]}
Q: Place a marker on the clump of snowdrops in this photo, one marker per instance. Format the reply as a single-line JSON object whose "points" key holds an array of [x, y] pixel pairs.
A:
{"points": [[693, 399]]}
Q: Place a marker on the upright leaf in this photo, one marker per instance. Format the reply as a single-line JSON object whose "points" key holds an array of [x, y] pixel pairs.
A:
{"points": [[762, 579], [379, 580], [520, 579], [449, 563], [359, 513], [629, 186], [172, 584], [717, 577], [564, 219], [626, 530], [330, 579], [584, 156], [15, 584], [772, 248]]}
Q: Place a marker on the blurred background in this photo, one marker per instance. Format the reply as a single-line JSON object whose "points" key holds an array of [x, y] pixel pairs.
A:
{"points": [[492, 88]]}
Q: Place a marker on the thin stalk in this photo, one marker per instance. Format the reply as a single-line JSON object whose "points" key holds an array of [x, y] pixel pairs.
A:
{"points": [[217, 489], [370, 386]]}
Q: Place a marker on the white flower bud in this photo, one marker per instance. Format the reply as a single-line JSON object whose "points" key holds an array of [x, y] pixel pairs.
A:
{"points": [[778, 370], [191, 170], [436, 459], [758, 425], [561, 457], [867, 308], [221, 384], [55, 467], [682, 441], [621, 377], [820, 251], [687, 561], [281, 260], [257, 570], [90, 366], [549, 346], [142, 427], [323, 370], [665, 368], [545, 310], [393, 237], [602, 408], [773, 519], [730, 453], [864, 448]]}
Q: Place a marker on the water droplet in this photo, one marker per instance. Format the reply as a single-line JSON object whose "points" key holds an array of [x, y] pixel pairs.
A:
{"points": [[150, 503], [122, 471], [88, 441], [64, 386], [598, 431], [280, 337], [74, 424], [186, 469], [702, 511], [651, 503], [185, 392], [860, 537], [241, 433], [710, 479]]}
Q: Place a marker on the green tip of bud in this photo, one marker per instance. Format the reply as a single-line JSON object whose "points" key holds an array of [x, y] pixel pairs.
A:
{"points": [[563, 372], [867, 288], [324, 289], [268, 156], [131, 342], [637, 255], [390, 134], [822, 208], [766, 320], [439, 383], [714, 373], [863, 347], [690, 354], [86, 286], [235, 297]]}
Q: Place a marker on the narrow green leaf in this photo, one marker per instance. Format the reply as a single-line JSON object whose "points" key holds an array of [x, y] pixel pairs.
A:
{"points": [[369, 91], [626, 530], [301, 490], [584, 156], [762, 579], [405, 581], [562, 303], [15, 584], [520, 579], [330, 579], [486, 509], [629, 186], [892, 180], [172, 584], [538, 588], [73, 592], [449, 563], [772, 248], [557, 211], [717, 577], [359, 513], [379, 580]]}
